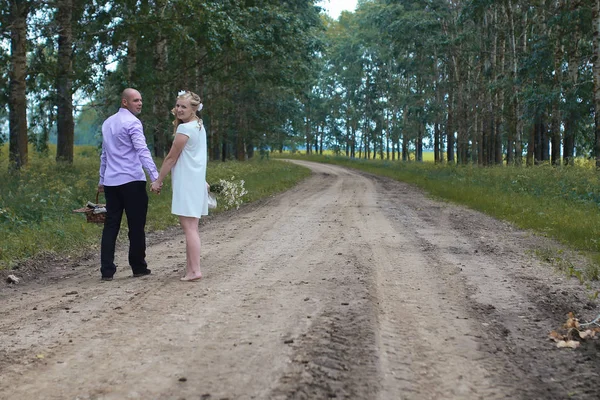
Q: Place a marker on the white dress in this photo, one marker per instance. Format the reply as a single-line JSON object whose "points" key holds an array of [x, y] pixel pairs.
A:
{"points": [[190, 197]]}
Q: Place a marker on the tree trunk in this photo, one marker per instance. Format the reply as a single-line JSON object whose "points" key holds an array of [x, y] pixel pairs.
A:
{"points": [[17, 102], [436, 142], [366, 140], [460, 117], [471, 121], [537, 145], [531, 145], [353, 146], [482, 120], [450, 126], [321, 141], [438, 101], [545, 140], [405, 155], [216, 92], [520, 125], [499, 99], [570, 117], [516, 125], [214, 139], [596, 69], [555, 118], [307, 126], [64, 83], [419, 146], [240, 148], [131, 58], [490, 146], [348, 138], [481, 133], [379, 136], [388, 138], [159, 106]]}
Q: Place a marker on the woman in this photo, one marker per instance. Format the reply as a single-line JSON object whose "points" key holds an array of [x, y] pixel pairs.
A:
{"points": [[187, 159]]}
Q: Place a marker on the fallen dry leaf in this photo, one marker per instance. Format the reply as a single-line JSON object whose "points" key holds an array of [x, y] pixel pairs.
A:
{"points": [[587, 334], [555, 336], [573, 344], [572, 322]]}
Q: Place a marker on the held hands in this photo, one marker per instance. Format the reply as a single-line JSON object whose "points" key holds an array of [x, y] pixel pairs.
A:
{"points": [[156, 187]]}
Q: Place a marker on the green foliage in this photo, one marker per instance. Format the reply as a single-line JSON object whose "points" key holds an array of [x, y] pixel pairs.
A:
{"points": [[36, 203], [88, 127], [249, 61]]}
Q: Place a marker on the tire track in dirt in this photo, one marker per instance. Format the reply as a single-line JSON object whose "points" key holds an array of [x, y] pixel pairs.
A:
{"points": [[426, 341], [479, 265]]}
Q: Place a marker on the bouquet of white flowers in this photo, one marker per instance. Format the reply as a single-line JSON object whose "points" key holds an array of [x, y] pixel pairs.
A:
{"points": [[231, 192]]}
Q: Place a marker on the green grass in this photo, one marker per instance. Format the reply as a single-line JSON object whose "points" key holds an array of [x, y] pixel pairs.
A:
{"points": [[36, 203], [562, 203]]}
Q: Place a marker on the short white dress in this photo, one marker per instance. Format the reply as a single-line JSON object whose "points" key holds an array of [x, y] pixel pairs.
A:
{"points": [[190, 197]]}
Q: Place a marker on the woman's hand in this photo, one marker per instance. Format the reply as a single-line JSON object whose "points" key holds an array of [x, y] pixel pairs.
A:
{"points": [[156, 187]]}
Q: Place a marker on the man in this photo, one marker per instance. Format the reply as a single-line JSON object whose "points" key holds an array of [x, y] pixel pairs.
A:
{"points": [[124, 157]]}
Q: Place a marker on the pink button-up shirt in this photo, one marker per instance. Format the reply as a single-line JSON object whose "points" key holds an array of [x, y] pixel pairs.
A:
{"points": [[124, 151]]}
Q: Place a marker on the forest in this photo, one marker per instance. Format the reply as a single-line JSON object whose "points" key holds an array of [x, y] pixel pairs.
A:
{"points": [[507, 82]]}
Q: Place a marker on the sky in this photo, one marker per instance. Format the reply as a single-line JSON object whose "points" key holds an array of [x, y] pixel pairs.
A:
{"points": [[335, 7]]}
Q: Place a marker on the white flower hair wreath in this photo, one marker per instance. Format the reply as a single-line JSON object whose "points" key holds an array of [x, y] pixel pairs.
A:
{"points": [[181, 93]]}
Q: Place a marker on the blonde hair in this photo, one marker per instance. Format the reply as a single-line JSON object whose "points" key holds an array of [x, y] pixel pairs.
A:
{"points": [[196, 104]]}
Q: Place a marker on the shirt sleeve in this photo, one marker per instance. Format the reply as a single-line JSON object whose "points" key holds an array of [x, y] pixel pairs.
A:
{"points": [[184, 129], [102, 166], [136, 131]]}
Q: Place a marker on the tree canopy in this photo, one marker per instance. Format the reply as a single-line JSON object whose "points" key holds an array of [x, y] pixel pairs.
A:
{"points": [[477, 81]]}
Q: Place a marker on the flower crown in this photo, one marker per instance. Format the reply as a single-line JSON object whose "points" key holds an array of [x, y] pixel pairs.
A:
{"points": [[181, 93]]}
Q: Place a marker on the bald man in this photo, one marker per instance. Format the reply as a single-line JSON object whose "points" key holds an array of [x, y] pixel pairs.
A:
{"points": [[124, 158]]}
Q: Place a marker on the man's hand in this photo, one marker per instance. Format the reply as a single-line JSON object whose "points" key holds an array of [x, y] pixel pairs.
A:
{"points": [[156, 187], [100, 188]]}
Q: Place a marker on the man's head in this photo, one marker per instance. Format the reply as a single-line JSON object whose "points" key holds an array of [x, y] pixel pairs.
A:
{"points": [[131, 99]]}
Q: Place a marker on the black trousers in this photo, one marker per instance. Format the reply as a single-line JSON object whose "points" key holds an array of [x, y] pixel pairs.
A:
{"points": [[132, 198]]}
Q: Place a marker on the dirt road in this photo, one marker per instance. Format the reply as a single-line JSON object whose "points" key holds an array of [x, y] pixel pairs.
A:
{"points": [[347, 286]]}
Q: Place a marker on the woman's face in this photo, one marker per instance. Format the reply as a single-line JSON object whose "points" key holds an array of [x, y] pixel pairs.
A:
{"points": [[184, 110]]}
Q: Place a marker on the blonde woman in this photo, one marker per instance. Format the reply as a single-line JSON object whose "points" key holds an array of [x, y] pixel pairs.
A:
{"points": [[187, 160]]}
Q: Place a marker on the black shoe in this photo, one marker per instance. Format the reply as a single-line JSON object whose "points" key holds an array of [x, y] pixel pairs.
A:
{"points": [[144, 273], [107, 278]]}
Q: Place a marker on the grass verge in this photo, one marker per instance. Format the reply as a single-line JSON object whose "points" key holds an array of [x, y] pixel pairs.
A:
{"points": [[36, 203]]}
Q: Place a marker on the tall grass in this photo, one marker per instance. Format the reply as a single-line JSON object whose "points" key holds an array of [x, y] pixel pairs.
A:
{"points": [[558, 202], [36, 203]]}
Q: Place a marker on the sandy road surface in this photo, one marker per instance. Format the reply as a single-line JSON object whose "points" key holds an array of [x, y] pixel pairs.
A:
{"points": [[347, 286]]}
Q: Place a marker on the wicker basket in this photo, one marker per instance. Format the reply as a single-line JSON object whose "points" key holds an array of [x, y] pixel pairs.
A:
{"points": [[91, 214]]}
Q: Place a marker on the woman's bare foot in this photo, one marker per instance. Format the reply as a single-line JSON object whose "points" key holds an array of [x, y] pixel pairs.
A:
{"points": [[191, 278]]}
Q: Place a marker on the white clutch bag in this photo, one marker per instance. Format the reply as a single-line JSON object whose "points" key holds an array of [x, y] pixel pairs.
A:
{"points": [[212, 200]]}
